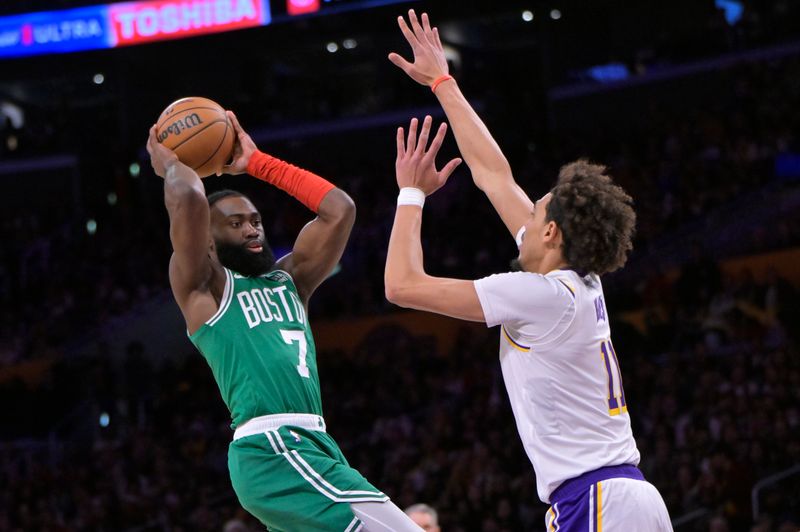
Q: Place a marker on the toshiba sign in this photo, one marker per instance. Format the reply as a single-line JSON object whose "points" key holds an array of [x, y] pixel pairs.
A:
{"points": [[111, 25], [137, 22]]}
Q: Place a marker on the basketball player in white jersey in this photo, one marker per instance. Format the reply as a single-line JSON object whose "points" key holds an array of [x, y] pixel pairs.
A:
{"points": [[559, 364]]}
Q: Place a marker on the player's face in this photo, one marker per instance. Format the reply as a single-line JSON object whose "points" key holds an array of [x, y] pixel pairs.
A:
{"points": [[533, 245], [239, 236]]}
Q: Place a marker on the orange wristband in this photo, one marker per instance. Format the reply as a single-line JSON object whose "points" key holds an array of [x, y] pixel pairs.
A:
{"points": [[439, 81], [306, 187]]}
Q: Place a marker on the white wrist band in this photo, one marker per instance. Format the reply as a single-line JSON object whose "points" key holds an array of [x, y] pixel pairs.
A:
{"points": [[411, 196]]}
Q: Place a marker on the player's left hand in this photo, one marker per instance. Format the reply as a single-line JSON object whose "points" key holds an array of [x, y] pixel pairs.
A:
{"points": [[243, 149], [416, 163]]}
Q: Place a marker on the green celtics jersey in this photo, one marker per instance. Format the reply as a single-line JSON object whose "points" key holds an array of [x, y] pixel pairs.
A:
{"points": [[260, 348]]}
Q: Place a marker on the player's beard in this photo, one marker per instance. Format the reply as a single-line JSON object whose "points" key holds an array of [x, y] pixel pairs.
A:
{"points": [[236, 257], [515, 265]]}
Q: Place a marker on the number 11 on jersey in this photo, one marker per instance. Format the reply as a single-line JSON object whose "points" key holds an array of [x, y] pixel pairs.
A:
{"points": [[616, 395], [298, 336]]}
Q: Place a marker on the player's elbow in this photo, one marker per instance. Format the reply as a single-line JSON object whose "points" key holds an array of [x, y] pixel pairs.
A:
{"points": [[394, 293], [340, 207]]}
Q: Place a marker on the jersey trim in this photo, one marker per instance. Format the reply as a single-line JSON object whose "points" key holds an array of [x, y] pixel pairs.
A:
{"points": [[227, 296], [315, 479], [516, 345], [354, 526], [571, 290]]}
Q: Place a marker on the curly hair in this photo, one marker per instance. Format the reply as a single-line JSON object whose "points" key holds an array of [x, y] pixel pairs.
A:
{"points": [[595, 216]]}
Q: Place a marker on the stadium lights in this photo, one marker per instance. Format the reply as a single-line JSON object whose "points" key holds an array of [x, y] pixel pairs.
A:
{"points": [[349, 43], [134, 170], [527, 15], [91, 226], [555, 14], [332, 47], [98, 79]]}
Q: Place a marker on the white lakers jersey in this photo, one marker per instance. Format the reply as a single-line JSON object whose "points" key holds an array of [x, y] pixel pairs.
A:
{"points": [[561, 372]]}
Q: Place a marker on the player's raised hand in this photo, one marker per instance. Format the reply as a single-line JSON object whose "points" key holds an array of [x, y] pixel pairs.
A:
{"points": [[161, 157], [416, 162], [242, 149], [429, 59]]}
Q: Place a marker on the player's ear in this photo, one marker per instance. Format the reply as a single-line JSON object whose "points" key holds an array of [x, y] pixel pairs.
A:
{"points": [[552, 233]]}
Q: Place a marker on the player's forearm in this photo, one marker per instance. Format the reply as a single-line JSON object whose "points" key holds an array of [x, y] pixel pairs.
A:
{"points": [[404, 263], [476, 144], [307, 187], [183, 188]]}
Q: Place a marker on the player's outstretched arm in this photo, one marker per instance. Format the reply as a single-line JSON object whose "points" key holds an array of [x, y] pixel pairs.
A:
{"points": [[190, 269], [406, 282], [490, 169], [320, 244]]}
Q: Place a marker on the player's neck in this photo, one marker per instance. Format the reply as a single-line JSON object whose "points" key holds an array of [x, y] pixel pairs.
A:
{"points": [[550, 262]]}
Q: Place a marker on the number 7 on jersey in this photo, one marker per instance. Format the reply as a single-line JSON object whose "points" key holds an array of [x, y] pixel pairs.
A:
{"points": [[298, 336]]}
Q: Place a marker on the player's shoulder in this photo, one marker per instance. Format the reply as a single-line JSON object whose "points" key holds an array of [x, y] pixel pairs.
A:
{"points": [[530, 287], [575, 282]]}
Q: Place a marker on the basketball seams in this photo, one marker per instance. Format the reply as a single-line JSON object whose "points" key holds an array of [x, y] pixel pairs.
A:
{"points": [[221, 142]]}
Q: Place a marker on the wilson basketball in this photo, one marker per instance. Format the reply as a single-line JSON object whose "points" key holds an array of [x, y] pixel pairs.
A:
{"points": [[199, 132]]}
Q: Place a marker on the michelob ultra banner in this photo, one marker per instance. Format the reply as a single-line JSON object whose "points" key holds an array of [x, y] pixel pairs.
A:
{"points": [[112, 25]]}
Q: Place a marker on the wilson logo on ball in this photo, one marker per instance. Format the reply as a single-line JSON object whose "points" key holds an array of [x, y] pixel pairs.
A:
{"points": [[181, 124]]}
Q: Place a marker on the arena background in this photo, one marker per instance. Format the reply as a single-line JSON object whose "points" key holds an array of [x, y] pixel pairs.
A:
{"points": [[110, 420]]}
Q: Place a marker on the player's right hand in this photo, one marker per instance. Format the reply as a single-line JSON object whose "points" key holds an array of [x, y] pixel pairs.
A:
{"points": [[429, 59], [243, 149], [161, 157]]}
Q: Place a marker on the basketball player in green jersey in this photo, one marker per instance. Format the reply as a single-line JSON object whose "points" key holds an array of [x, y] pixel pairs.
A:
{"points": [[246, 313]]}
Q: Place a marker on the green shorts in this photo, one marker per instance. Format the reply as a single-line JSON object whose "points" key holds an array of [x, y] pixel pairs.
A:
{"points": [[294, 479]]}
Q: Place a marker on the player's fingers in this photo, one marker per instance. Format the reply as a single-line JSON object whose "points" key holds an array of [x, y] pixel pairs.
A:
{"points": [[400, 62], [438, 140], [151, 139], [448, 170], [401, 143], [412, 136], [407, 33], [438, 39], [426, 26], [412, 18], [235, 123], [424, 134]]}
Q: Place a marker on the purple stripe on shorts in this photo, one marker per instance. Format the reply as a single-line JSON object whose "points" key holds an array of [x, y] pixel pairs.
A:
{"points": [[574, 486]]}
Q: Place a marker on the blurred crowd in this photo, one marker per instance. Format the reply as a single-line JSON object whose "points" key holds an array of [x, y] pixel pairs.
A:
{"points": [[715, 407]]}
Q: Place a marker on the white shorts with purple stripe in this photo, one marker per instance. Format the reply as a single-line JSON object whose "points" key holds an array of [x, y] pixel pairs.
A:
{"points": [[610, 498]]}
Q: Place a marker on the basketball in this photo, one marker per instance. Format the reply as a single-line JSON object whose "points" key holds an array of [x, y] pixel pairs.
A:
{"points": [[199, 132]]}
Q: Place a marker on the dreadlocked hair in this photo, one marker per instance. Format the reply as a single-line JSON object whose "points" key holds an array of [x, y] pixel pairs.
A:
{"points": [[595, 216]]}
